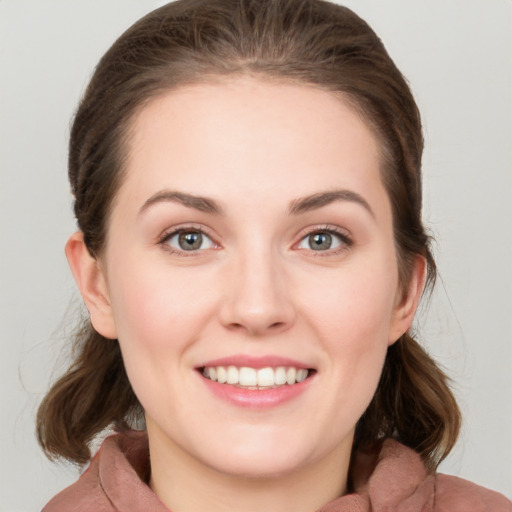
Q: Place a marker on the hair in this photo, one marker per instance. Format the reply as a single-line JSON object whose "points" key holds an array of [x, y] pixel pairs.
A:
{"points": [[311, 42]]}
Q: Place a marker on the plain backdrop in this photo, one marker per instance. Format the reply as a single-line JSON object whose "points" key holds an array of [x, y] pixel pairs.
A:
{"points": [[457, 55]]}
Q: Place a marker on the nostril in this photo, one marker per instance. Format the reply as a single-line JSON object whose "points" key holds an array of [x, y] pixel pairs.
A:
{"points": [[255, 329], [235, 326]]}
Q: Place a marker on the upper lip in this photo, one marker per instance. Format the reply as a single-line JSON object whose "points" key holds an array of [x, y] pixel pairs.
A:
{"points": [[240, 360]]}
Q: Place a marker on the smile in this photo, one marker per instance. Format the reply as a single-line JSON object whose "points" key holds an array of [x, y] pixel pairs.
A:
{"points": [[256, 378]]}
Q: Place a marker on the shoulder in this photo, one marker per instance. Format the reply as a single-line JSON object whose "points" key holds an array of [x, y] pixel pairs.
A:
{"points": [[453, 494], [85, 495], [115, 480]]}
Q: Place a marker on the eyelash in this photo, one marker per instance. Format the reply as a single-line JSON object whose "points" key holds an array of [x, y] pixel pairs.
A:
{"points": [[346, 242], [164, 239]]}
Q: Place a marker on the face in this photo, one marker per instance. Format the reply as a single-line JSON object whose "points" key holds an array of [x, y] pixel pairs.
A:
{"points": [[250, 274]]}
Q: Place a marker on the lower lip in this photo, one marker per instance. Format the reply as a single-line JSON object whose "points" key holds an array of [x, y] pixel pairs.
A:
{"points": [[257, 398]]}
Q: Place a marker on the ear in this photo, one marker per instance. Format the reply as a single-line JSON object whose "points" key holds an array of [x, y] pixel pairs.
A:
{"points": [[408, 300], [92, 284]]}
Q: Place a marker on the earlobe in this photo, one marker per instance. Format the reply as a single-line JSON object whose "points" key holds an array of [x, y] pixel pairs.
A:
{"points": [[92, 285], [406, 306]]}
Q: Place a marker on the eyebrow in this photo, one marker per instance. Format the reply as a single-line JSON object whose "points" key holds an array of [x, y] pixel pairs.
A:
{"points": [[298, 206], [202, 204], [320, 199]]}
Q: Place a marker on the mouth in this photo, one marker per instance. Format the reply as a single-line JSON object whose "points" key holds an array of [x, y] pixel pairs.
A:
{"points": [[266, 378]]}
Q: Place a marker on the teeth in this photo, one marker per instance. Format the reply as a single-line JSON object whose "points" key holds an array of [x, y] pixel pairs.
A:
{"points": [[280, 376], [251, 377], [301, 375], [232, 377], [266, 377], [247, 377], [222, 376]]}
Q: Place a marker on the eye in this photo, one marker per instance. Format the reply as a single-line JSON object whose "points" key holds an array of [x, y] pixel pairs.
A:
{"points": [[324, 240], [189, 240]]}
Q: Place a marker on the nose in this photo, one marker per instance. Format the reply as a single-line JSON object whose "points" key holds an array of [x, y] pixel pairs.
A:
{"points": [[257, 301]]}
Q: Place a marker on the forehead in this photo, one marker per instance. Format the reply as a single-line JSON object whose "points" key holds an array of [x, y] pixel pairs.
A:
{"points": [[237, 131]]}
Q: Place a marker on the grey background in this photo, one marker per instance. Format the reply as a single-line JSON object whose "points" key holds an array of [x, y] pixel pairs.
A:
{"points": [[457, 55]]}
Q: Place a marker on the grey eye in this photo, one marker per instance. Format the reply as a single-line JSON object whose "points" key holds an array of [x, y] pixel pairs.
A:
{"points": [[320, 241], [190, 241]]}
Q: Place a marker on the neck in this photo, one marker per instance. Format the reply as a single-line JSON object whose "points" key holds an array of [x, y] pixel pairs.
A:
{"points": [[185, 484]]}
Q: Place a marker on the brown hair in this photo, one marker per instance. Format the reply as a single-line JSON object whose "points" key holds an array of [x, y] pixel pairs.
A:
{"points": [[305, 41]]}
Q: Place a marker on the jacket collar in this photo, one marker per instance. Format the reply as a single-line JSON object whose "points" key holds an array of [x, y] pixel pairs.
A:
{"points": [[389, 477]]}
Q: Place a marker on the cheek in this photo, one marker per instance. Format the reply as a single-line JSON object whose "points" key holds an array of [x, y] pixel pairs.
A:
{"points": [[154, 304], [352, 318], [355, 304], [156, 324], [356, 343]]}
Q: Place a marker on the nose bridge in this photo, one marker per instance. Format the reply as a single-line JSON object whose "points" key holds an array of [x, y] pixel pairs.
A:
{"points": [[257, 300]]}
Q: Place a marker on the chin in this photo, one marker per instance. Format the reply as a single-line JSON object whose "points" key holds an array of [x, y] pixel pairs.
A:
{"points": [[268, 454], [261, 465]]}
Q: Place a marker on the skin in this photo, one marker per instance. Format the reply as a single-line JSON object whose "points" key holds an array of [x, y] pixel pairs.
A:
{"points": [[256, 288]]}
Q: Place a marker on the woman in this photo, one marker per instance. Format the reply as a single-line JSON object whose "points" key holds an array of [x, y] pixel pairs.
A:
{"points": [[250, 249]]}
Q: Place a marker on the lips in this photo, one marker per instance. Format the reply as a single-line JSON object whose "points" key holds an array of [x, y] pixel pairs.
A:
{"points": [[259, 382]]}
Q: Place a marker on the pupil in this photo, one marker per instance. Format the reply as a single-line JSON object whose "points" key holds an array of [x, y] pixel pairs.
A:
{"points": [[320, 241], [190, 241]]}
